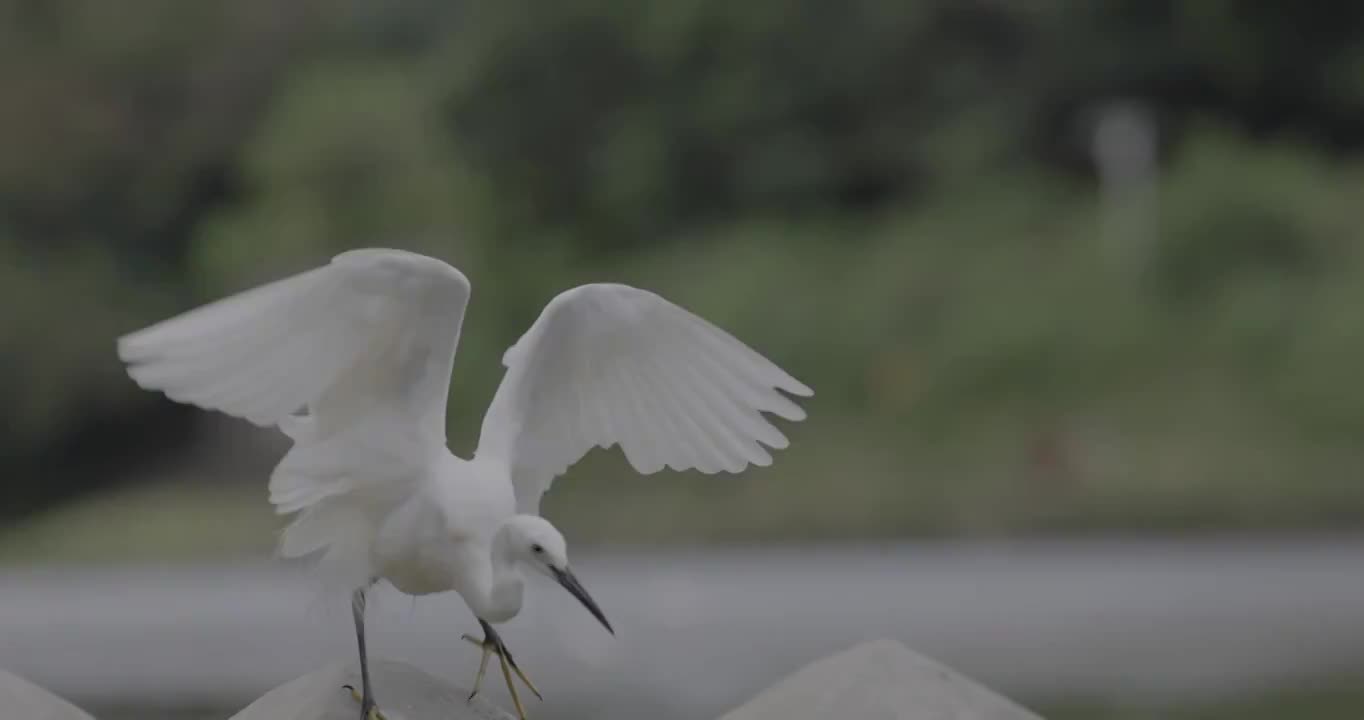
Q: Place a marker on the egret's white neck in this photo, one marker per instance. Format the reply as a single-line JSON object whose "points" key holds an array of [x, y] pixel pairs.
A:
{"points": [[503, 600]]}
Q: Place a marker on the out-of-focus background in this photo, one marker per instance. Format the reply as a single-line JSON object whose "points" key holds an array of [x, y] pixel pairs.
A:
{"points": [[1078, 286]]}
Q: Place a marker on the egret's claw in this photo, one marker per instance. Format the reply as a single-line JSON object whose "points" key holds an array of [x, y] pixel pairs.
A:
{"points": [[366, 713]]}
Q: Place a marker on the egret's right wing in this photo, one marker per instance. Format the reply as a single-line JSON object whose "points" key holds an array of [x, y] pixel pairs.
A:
{"points": [[364, 344]]}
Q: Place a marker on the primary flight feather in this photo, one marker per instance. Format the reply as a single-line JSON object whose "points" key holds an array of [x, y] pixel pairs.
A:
{"points": [[352, 361]]}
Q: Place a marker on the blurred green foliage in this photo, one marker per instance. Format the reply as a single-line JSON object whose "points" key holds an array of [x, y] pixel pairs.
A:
{"points": [[894, 200]]}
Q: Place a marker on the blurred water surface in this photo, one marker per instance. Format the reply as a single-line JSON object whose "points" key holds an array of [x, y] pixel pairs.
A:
{"points": [[701, 630]]}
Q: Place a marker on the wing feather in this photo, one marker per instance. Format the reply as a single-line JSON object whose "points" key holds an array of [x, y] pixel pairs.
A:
{"points": [[609, 364], [351, 360]]}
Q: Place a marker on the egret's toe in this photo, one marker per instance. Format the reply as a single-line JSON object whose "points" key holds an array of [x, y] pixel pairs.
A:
{"points": [[511, 686], [488, 650], [517, 669], [368, 710]]}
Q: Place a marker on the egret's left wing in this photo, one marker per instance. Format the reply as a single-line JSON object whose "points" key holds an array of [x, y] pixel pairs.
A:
{"points": [[608, 364]]}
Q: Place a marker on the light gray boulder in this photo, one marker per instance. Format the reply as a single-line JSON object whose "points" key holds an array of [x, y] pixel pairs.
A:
{"points": [[878, 680], [20, 698], [403, 692]]}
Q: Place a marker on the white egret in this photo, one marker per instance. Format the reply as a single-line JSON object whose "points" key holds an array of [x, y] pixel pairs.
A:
{"points": [[352, 361]]}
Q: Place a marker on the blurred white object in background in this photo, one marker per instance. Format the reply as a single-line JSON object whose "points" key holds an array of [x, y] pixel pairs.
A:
{"points": [[1123, 147]]}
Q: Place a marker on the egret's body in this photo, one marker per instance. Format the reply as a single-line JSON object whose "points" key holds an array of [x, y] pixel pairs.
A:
{"points": [[352, 361], [440, 537]]}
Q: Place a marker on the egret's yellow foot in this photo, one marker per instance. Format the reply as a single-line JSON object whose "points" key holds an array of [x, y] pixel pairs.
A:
{"points": [[366, 713], [487, 649], [511, 686], [493, 645]]}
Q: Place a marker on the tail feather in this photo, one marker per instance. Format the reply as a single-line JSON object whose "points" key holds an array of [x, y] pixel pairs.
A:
{"points": [[343, 533], [341, 482], [319, 467]]}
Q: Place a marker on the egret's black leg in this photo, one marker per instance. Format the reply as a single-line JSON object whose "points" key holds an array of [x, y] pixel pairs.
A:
{"points": [[366, 697]]}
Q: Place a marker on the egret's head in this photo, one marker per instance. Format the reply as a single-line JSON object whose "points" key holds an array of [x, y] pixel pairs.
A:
{"points": [[537, 544], [540, 546]]}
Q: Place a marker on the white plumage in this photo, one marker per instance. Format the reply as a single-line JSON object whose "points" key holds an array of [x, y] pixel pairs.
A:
{"points": [[352, 361]]}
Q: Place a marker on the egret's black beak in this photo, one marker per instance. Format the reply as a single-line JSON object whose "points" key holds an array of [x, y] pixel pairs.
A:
{"points": [[576, 589]]}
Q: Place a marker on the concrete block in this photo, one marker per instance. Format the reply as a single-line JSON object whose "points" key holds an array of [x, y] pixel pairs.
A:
{"points": [[20, 698], [403, 692], [878, 680]]}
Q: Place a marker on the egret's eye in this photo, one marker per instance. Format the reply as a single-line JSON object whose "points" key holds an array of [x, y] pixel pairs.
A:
{"points": [[537, 548]]}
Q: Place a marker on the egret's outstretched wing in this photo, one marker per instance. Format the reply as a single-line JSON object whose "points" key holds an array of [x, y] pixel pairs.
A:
{"points": [[364, 346], [610, 364], [373, 327]]}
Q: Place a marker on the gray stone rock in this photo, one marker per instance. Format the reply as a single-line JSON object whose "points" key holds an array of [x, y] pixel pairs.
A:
{"points": [[403, 692], [20, 698], [878, 680]]}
